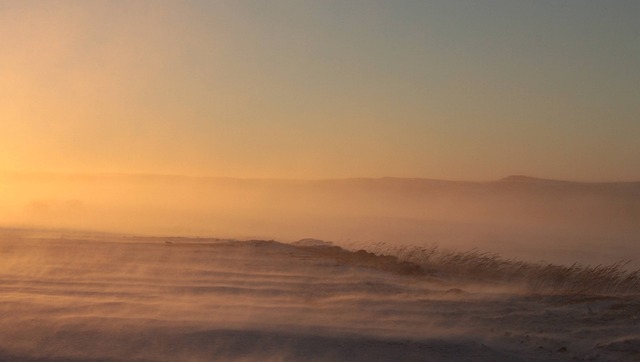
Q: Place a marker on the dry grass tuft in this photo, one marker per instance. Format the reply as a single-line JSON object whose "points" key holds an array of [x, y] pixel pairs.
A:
{"points": [[542, 278]]}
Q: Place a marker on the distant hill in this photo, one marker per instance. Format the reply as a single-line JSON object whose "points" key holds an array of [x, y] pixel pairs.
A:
{"points": [[513, 208]]}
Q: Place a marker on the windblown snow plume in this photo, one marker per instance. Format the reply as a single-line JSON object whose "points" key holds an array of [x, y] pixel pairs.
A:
{"points": [[69, 296]]}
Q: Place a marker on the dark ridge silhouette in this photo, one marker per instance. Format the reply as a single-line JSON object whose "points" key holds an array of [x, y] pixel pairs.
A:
{"points": [[465, 266], [523, 178], [359, 258]]}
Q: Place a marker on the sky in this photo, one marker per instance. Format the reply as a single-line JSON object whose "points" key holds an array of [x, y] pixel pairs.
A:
{"points": [[470, 90]]}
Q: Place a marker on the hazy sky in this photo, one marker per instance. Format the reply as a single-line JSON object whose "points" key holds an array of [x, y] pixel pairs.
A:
{"points": [[320, 89]]}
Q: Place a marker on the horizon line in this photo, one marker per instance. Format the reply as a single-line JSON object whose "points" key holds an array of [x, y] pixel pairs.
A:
{"points": [[508, 178]]}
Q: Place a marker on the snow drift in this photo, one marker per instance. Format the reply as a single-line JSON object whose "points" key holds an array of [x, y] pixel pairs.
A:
{"points": [[103, 297]]}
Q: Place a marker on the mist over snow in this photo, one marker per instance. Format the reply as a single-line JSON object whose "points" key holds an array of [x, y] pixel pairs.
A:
{"points": [[68, 296], [109, 252], [173, 268], [523, 217]]}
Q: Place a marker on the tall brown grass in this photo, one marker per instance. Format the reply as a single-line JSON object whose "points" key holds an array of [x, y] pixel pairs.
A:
{"points": [[532, 277]]}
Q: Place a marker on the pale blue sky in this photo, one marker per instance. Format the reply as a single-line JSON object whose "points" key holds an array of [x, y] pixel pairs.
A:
{"points": [[317, 89]]}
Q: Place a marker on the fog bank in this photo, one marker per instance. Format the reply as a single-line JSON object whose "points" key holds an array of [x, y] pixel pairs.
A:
{"points": [[517, 216]]}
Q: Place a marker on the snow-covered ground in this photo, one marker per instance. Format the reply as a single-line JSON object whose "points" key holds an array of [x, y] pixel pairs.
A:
{"points": [[93, 297]]}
